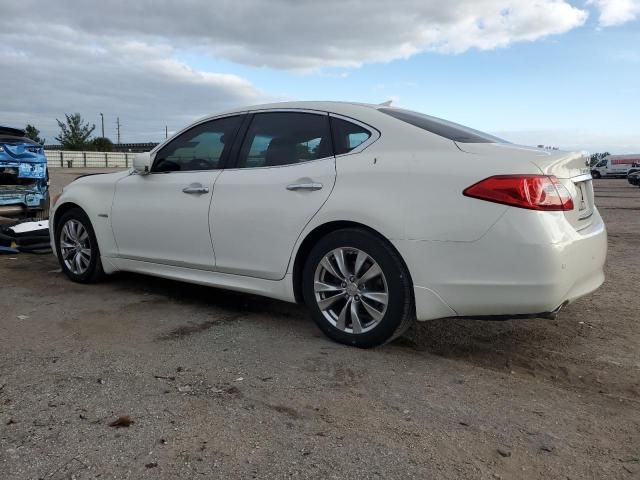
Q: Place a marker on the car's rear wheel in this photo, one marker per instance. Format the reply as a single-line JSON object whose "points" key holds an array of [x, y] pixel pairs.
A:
{"points": [[77, 247], [358, 289]]}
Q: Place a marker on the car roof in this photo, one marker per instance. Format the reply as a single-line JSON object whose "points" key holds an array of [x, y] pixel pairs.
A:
{"points": [[341, 108]]}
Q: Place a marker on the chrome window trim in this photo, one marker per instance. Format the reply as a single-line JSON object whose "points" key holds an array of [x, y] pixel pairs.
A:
{"points": [[375, 135], [306, 162], [155, 149], [160, 146], [292, 110]]}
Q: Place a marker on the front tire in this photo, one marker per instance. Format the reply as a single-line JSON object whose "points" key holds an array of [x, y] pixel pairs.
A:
{"points": [[358, 289], [77, 247], [596, 174]]}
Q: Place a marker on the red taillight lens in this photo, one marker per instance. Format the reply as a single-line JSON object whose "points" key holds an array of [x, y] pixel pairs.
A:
{"points": [[535, 192]]}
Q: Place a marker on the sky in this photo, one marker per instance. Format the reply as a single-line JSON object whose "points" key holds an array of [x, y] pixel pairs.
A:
{"points": [[563, 73]]}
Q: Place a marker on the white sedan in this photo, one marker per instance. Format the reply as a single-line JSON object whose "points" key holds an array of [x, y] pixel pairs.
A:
{"points": [[373, 216]]}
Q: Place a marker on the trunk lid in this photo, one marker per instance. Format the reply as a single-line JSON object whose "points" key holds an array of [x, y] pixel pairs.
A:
{"points": [[571, 168]]}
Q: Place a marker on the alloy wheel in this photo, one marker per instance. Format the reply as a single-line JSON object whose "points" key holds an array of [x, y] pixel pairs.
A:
{"points": [[351, 290], [75, 247]]}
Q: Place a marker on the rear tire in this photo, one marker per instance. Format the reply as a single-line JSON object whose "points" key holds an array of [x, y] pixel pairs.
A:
{"points": [[77, 247], [358, 289]]}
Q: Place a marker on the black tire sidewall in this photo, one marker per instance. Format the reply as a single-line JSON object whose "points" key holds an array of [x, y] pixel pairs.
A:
{"points": [[95, 268], [396, 276]]}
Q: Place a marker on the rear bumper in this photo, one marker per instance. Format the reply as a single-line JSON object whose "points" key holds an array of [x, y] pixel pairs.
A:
{"points": [[22, 204], [20, 201], [19, 210], [528, 262]]}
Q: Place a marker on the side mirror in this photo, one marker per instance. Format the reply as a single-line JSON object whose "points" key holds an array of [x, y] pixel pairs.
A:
{"points": [[142, 163]]}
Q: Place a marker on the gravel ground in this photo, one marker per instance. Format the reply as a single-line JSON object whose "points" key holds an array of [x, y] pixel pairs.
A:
{"points": [[217, 384]]}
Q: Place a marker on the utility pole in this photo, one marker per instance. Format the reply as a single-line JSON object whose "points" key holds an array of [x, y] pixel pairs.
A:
{"points": [[166, 132], [118, 128], [102, 119]]}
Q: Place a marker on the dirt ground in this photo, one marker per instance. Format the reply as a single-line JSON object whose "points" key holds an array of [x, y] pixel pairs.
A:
{"points": [[225, 385]]}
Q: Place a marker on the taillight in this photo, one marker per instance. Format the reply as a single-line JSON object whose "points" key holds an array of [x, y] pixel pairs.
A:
{"points": [[535, 192]]}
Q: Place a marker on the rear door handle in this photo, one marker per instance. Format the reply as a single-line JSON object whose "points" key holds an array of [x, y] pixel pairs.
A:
{"points": [[304, 186], [195, 189]]}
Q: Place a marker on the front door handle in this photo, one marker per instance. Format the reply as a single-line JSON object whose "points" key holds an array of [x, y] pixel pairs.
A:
{"points": [[304, 186], [195, 189]]}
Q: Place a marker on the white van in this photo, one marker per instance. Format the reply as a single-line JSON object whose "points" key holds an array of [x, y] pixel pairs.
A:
{"points": [[615, 166]]}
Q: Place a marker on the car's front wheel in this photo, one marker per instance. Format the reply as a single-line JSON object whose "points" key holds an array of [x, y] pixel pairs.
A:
{"points": [[358, 289], [77, 247]]}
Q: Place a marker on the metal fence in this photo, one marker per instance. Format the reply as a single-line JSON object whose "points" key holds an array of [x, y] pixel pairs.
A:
{"points": [[72, 159]]}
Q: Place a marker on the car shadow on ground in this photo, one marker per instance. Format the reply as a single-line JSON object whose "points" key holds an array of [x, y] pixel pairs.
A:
{"points": [[205, 296], [511, 344], [471, 340]]}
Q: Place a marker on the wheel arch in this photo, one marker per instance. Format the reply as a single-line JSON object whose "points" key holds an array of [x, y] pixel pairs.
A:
{"points": [[65, 207], [320, 231]]}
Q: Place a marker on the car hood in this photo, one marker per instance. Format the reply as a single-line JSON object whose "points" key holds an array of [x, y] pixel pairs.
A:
{"points": [[99, 178]]}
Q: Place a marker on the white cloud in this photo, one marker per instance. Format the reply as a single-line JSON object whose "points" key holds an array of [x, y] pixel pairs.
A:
{"points": [[308, 35], [119, 57], [53, 69], [616, 12]]}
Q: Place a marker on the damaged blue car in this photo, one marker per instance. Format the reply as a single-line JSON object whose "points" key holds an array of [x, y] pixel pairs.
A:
{"points": [[24, 177]]}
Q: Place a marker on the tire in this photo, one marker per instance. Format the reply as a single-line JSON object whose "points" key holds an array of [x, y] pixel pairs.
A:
{"points": [[354, 286], [86, 271], [596, 174]]}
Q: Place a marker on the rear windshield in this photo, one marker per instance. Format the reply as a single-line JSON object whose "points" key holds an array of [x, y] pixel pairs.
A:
{"points": [[443, 128]]}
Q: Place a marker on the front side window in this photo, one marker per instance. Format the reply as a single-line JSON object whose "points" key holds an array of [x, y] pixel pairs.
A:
{"points": [[285, 138], [200, 148], [603, 163], [347, 135]]}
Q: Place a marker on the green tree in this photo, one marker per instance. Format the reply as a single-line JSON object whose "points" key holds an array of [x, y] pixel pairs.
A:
{"points": [[74, 132], [101, 144], [33, 133]]}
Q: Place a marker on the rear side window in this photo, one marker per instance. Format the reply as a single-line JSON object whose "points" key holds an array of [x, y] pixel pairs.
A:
{"points": [[284, 138], [347, 135], [443, 128]]}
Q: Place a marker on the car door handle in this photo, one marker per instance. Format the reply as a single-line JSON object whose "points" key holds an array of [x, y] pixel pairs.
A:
{"points": [[304, 186], [195, 189]]}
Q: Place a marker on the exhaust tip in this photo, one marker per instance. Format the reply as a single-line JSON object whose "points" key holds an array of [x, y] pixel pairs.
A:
{"points": [[553, 314]]}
